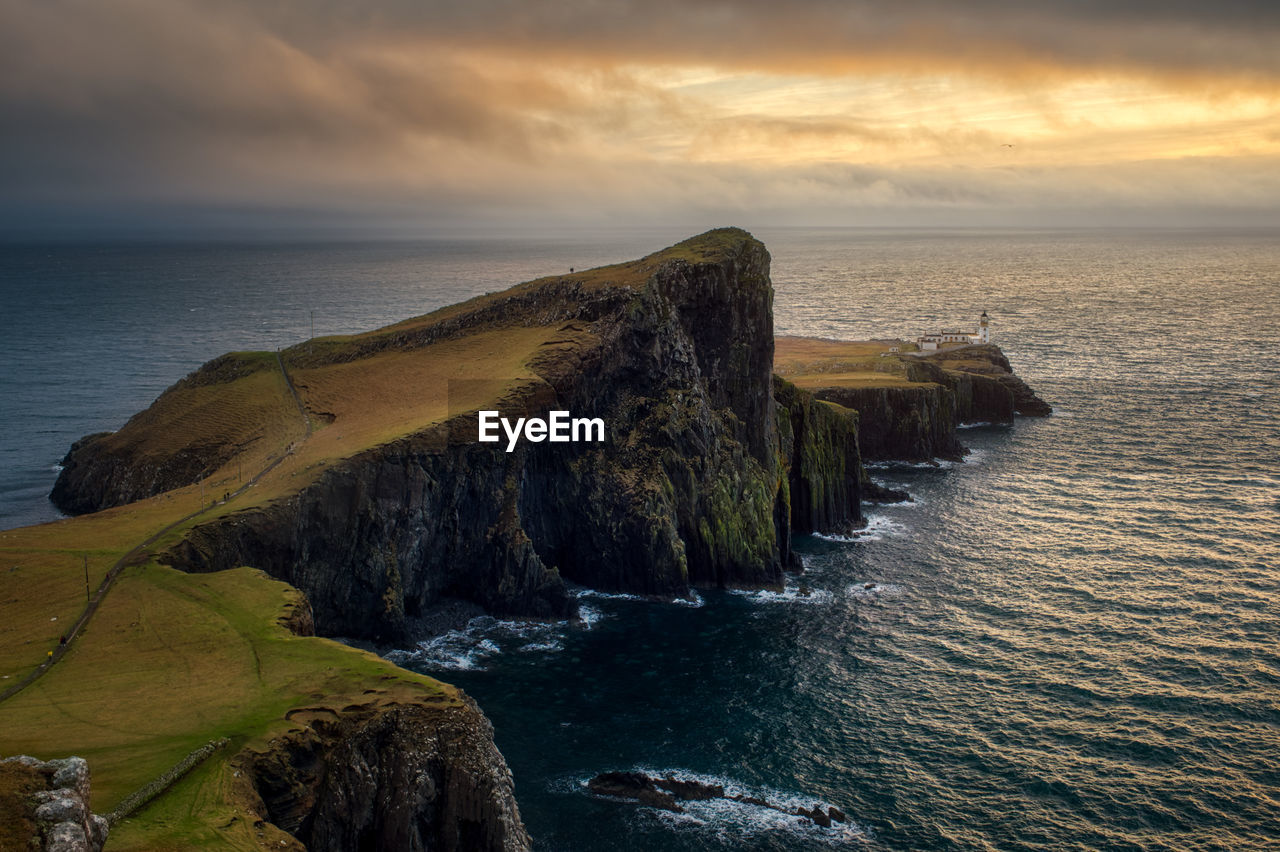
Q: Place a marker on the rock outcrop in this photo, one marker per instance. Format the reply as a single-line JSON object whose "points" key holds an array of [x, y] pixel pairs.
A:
{"points": [[666, 792], [410, 777], [50, 807], [140, 460], [917, 420], [913, 423], [988, 370]]}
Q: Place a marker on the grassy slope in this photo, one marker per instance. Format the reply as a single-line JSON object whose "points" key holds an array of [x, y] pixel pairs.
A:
{"points": [[172, 660], [237, 405], [809, 362]]}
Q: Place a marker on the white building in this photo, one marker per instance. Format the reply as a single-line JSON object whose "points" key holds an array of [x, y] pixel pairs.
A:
{"points": [[952, 337]]}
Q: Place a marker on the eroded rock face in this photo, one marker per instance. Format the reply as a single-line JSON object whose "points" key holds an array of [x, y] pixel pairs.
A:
{"points": [[695, 484], [406, 777], [918, 422], [54, 804], [822, 461], [913, 423], [988, 366]]}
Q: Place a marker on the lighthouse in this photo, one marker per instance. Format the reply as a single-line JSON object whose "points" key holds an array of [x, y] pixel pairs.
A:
{"points": [[984, 328]]}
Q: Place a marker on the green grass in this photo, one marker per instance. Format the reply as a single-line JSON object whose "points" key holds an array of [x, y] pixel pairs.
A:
{"points": [[172, 661], [810, 363]]}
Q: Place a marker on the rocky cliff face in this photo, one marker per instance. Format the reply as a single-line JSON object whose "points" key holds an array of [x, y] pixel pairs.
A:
{"points": [[383, 536], [824, 475], [918, 422], [913, 423], [989, 370], [413, 777], [100, 471], [695, 484]]}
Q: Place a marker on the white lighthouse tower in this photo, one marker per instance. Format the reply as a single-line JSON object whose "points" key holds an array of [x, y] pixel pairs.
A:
{"points": [[984, 328]]}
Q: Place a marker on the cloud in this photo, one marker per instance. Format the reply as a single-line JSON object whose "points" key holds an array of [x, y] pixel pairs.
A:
{"points": [[396, 110], [1186, 37]]}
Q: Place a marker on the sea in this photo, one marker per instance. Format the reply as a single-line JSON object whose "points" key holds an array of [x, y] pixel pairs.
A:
{"points": [[1070, 640]]}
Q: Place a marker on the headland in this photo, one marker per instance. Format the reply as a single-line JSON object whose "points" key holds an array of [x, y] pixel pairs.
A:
{"points": [[337, 488]]}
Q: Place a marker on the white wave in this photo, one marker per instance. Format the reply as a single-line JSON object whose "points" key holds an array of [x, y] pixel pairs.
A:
{"points": [[872, 591], [734, 823], [590, 615], [789, 594], [468, 648], [607, 596], [552, 645], [931, 464], [57, 468], [694, 599], [877, 528]]}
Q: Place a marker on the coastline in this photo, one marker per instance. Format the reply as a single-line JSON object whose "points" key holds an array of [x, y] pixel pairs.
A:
{"points": [[809, 449]]}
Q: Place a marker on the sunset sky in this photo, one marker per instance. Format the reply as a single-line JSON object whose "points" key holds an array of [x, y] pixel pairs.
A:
{"points": [[402, 117]]}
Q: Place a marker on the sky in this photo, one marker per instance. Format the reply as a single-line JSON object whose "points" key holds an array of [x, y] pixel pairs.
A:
{"points": [[409, 117]]}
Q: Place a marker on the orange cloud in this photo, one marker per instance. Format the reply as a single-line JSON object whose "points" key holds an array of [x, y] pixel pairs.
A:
{"points": [[400, 110]]}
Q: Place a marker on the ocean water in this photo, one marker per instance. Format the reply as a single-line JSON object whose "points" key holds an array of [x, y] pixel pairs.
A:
{"points": [[1069, 640]]}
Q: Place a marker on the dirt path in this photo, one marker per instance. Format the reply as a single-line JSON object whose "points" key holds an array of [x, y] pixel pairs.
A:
{"points": [[137, 552]]}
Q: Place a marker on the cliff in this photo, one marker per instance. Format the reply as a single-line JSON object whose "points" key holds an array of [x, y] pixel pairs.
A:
{"points": [[824, 475], [199, 425], [297, 740], [349, 468], [392, 507], [412, 777], [910, 423], [909, 404]]}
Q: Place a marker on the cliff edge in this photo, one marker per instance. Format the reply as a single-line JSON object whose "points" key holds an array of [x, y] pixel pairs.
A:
{"points": [[909, 403], [391, 506]]}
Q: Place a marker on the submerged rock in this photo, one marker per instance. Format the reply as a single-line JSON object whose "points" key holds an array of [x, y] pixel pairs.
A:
{"points": [[635, 786], [663, 792]]}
